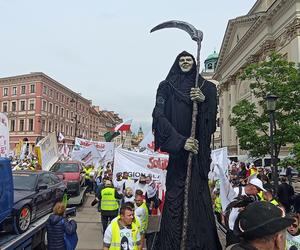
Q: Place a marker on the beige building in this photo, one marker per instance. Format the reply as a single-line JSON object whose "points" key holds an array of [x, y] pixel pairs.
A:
{"points": [[269, 25]]}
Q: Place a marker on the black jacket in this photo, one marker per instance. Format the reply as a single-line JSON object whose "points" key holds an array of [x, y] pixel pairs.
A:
{"points": [[56, 227]]}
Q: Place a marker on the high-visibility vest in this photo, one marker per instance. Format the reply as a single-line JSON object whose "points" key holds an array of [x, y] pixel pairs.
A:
{"points": [[108, 200], [87, 172], [218, 205], [116, 239], [274, 202], [136, 221], [144, 221]]}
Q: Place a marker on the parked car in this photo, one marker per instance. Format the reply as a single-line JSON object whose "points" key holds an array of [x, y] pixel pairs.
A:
{"points": [[71, 172], [35, 194]]}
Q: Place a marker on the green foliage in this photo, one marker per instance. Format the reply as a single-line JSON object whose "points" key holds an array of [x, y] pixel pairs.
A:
{"points": [[282, 78]]}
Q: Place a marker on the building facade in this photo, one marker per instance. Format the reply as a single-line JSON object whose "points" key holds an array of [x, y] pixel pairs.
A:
{"points": [[270, 25], [37, 105]]}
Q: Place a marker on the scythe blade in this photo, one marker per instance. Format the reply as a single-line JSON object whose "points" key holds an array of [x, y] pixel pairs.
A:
{"points": [[196, 35]]}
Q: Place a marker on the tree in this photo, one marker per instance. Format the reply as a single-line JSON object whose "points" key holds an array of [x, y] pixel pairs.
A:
{"points": [[277, 76]]}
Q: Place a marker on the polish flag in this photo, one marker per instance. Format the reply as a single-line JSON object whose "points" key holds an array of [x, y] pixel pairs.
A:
{"points": [[124, 126]]}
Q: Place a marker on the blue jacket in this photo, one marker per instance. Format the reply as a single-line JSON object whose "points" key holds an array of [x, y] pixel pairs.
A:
{"points": [[56, 227]]}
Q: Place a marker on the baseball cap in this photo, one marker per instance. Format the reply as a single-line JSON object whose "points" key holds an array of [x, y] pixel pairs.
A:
{"points": [[257, 183], [261, 219]]}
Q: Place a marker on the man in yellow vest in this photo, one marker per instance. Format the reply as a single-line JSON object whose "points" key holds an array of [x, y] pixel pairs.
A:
{"points": [[142, 213], [88, 178], [122, 233], [109, 205]]}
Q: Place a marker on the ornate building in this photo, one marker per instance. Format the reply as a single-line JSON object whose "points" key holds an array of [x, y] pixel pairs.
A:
{"points": [[210, 65], [269, 25], [37, 105]]}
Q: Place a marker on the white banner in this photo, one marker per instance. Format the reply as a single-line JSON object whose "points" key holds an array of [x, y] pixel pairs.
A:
{"points": [[219, 156], [105, 149], [4, 136], [136, 163], [88, 155], [48, 151]]}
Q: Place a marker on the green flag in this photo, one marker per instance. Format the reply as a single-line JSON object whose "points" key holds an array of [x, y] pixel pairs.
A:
{"points": [[65, 200], [110, 135]]}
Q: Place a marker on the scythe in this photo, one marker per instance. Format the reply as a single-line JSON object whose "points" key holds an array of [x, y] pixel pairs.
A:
{"points": [[197, 36]]}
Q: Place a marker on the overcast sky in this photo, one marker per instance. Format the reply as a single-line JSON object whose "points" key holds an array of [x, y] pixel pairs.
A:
{"points": [[103, 49]]}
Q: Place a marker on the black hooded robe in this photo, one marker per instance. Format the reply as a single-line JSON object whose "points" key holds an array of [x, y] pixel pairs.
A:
{"points": [[172, 118]]}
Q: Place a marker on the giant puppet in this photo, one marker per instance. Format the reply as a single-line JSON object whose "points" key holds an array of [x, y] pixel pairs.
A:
{"points": [[184, 119]]}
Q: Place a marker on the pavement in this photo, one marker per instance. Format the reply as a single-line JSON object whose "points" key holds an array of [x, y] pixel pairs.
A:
{"points": [[89, 227]]}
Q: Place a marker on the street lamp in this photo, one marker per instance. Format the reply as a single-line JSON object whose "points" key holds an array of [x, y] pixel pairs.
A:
{"points": [[271, 107], [75, 101]]}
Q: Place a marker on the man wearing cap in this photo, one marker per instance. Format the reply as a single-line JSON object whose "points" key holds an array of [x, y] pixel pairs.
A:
{"points": [[254, 186], [109, 205], [261, 226]]}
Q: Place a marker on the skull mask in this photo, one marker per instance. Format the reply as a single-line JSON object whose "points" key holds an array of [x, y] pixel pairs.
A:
{"points": [[186, 63]]}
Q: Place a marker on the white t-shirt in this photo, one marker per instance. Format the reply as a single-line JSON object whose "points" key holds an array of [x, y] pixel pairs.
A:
{"points": [[119, 185], [141, 214], [129, 199], [235, 211], [292, 241], [125, 237], [151, 190]]}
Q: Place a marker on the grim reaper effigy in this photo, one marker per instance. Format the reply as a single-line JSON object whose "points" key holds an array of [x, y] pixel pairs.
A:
{"points": [[172, 122]]}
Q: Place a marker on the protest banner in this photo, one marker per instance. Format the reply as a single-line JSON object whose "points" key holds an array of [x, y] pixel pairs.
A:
{"points": [[47, 151], [105, 149], [4, 136], [136, 163], [219, 156], [88, 156]]}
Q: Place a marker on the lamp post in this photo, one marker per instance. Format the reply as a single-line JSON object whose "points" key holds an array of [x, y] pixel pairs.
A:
{"points": [[76, 122], [271, 107]]}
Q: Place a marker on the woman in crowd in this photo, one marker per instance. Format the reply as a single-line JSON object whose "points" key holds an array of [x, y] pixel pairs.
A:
{"points": [[57, 226]]}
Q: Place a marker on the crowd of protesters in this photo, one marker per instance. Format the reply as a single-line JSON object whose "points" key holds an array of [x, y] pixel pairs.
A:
{"points": [[247, 185]]}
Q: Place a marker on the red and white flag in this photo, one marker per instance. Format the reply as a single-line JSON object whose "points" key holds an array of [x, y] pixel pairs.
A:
{"points": [[124, 126]]}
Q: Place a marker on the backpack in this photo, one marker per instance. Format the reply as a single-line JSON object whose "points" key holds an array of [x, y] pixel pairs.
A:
{"points": [[70, 240]]}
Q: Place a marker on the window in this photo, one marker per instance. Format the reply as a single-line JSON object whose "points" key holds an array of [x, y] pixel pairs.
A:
{"points": [[62, 112], [50, 127], [57, 96], [45, 90], [4, 107], [14, 91], [71, 132], [43, 125], [12, 125], [51, 92], [21, 125], [72, 117], [61, 128], [31, 105], [62, 98], [30, 125], [50, 107], [22, 108], [13, 106], [67, 113], [23, 89], [32, 88], [56, 110], [5, 91], [44, 108], [67, 130]]}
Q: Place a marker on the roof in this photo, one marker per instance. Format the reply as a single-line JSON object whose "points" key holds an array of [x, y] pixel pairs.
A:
{"points": [[214, 55]]}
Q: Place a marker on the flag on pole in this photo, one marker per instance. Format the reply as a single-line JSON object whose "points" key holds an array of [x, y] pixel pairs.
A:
{"points": [[124, 126], [109, 136]]}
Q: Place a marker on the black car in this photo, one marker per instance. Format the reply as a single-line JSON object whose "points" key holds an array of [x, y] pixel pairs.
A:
{"points": [[35, 194]]}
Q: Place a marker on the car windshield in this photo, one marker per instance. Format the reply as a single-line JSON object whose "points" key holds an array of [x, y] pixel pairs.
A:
{"points": [[23, 181], [65, 167]]}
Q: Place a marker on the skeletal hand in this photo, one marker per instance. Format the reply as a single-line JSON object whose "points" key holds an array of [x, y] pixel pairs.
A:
{"points": [[191, 145], [197, 95]]}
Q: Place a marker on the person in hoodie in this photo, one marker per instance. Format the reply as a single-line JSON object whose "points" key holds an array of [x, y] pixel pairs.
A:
{"points": [[58, 225]]}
